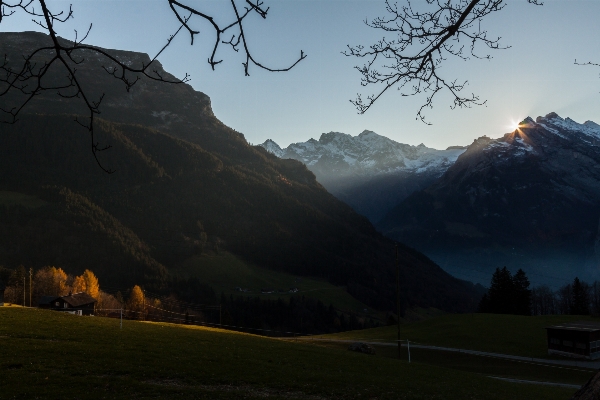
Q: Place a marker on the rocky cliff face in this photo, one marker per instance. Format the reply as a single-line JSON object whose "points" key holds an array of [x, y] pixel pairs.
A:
{"points": [[176, 109], [370, 172], [530, 200]]}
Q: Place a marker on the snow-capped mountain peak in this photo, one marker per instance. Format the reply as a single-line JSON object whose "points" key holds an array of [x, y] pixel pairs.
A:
{"points": [[557, 125], [369, 171], [272, 148], [366, 154]]}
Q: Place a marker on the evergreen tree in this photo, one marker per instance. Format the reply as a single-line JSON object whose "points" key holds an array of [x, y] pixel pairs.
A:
{"points": [[522, 294], [580, 298], [484, 304], [507, 294], [501, 292]]}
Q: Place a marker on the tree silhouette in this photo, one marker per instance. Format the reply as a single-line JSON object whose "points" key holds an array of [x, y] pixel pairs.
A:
{"points": [[580, 298], [522, 294], [28, 78], [507, 294], [501, 292], [426, 36]]}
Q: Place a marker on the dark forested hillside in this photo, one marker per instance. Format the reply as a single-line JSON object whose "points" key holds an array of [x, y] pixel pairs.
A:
{"points": [[181, 186]]}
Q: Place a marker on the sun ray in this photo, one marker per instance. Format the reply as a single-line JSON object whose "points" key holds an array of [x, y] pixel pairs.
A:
{"points": [[514, 125]]}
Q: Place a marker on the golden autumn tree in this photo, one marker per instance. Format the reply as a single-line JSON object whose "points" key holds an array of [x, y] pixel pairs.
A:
{"points": [[51, 281], [136, 302], [78, 284], [92, 287]]}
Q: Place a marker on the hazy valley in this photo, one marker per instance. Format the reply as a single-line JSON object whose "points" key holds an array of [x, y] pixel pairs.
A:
{"points": [[528, 200]]}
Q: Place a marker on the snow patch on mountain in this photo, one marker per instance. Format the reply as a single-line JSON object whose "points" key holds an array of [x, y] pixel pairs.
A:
{"points": [[366, 154], [520, 143], [272, 148], [554, 123]]}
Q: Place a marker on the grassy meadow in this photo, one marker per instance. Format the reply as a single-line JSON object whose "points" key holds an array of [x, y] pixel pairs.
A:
{"points": [[505, 334], [482, 365], [49, 355]]}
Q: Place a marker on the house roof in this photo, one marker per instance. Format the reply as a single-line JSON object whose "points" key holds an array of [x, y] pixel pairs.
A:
{"points": [[47, 299], [585, 326], [78, 299]]}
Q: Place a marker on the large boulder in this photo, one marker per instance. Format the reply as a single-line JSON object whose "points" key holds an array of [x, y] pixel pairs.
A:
{"points": [[589, 391]]}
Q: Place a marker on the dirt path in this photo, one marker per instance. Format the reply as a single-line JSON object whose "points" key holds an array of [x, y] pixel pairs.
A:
{"points": [[567, 385], [567, 363]]}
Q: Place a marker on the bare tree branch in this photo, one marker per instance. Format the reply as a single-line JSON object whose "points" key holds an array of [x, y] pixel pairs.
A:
{"points": [[28, 79], [426, 35]]}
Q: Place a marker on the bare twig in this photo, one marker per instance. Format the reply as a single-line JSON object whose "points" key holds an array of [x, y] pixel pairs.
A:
{"points": [[424, 40], [29, 79]]}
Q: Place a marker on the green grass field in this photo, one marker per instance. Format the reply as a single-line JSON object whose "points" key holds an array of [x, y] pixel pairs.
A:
{"points": [[14, 198], [505, 334], [225, 272], [49, 355], [488, 366]]}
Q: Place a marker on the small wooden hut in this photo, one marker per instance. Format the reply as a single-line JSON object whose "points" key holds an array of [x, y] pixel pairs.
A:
{"points": [[575, 339]]}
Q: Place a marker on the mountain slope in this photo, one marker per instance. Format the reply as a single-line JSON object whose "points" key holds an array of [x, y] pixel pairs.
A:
{"points": [[185, 182], [369, 172], [530, 200]]}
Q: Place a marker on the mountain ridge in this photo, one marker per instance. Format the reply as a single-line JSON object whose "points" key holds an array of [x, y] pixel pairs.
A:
{"points": [[370, 172], [529, 199]]}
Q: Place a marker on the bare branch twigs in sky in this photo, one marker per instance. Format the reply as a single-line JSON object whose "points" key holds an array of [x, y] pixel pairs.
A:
{"points": [[424, 36], [30, 78]]}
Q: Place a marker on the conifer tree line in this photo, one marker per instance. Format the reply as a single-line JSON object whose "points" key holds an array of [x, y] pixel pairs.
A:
{"points": [[511, 294]]}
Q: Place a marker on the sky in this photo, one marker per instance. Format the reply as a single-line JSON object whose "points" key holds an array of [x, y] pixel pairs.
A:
{"points": [[536, 76]]}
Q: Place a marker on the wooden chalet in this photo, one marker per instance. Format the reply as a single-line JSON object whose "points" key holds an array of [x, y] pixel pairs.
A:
{"points": [[575, 339], [77, 303]]}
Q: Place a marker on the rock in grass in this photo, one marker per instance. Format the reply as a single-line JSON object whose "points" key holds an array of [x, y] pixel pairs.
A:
{"points": [[589, 391], [361, 348]]}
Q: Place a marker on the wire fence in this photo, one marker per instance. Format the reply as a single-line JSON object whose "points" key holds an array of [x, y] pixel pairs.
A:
{"points": [[185, 313]]}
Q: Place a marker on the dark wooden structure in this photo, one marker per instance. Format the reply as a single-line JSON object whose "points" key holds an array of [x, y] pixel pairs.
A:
{"points": [[47, 302], [76, 303], [575, 339]]}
